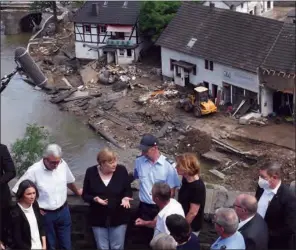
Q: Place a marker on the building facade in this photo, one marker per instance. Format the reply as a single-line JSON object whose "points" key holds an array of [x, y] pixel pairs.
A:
{"points": [[251, 7], [225, 51], [108, 28]]}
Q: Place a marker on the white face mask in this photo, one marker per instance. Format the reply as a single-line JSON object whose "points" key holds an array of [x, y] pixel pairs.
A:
{"points": [[263, 183]]}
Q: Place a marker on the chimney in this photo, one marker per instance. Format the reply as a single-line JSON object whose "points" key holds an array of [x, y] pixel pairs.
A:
{"points": [[212, 5], [95, 9]]}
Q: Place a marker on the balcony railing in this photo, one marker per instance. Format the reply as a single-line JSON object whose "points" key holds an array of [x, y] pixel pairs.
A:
{"points": [[120, 42]]}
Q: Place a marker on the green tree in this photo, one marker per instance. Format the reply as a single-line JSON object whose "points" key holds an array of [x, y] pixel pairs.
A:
{"points": [[26, 151], [156, 15]]}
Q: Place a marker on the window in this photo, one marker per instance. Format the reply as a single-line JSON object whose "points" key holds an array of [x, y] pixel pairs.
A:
{"points": [[194, 70], [209, 65], [129, 52], [86, 29], [191, 42], [268, 5], [251, 12], [178, 71], [103, 29], [105, 3], [125, 4], [242, 5], [119, 35], [121, 52], [206, 64], [171, 64]]}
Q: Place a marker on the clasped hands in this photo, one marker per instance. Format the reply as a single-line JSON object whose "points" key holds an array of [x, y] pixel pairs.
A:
{"points": [[125, 202]]}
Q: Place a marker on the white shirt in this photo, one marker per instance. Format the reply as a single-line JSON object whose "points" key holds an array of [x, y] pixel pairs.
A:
{"points": [[244, 222], [173, 207], [265, 199], [106, 182], [52, 185], [35, 236]]}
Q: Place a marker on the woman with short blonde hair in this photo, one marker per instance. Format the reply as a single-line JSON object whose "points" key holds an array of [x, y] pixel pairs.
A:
{"points": [[108, 191], [192, 194]]}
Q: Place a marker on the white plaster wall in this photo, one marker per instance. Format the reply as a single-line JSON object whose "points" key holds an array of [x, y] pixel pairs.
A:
{"points": [[217, 4], [221, 73], [124, 59], [85, 52], [266, 101]]}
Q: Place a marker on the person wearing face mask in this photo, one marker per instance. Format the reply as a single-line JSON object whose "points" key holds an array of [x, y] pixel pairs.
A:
{"points": [[152, 167], [277, 205], [52, 176], [108, 191]]}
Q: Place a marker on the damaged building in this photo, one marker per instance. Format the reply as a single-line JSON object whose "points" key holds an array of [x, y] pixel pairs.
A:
{"points": [[223, 50], [108, 28], [277, 74]]}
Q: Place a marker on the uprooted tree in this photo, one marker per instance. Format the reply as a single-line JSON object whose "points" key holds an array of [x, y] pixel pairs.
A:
{"points": [[26, 151], [155, 16]]}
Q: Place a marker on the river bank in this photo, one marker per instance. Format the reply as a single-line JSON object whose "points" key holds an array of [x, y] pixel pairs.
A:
{"points": [[123, 103]]}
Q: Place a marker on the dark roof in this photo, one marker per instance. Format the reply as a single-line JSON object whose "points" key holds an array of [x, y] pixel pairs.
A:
{"points": [[282, 55], [228, 37], [113, 13], [234, 3]]}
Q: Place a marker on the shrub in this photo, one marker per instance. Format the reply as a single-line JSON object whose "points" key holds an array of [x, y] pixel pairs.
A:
{"points": [[26, 151]]}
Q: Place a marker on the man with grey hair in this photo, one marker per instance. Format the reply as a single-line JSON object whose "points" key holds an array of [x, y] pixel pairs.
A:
{"points": [[226, 224], [161, 195], [277, 205], [252, 226], [52, 176]]}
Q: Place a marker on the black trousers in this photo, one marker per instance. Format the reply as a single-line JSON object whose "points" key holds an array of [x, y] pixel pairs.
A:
{"points": [[146, 212], [4, 223]]}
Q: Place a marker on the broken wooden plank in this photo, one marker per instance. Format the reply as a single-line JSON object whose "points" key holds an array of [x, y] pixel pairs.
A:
{"points": [[217, 173], [163, 130], [104, 134], [61, 97]]}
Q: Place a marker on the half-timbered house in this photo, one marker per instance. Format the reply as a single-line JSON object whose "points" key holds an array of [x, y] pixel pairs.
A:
{"points": [[108, 28]]}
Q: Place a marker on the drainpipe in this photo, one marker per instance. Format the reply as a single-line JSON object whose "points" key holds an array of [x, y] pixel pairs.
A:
{"points": [[259, 90]]}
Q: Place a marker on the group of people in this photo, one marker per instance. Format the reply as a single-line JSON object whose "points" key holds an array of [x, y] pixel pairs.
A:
{"points": [[40, 218]]}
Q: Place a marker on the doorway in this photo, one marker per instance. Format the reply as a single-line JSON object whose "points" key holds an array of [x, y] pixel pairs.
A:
{"points": [[214, 91], [186, 77]]}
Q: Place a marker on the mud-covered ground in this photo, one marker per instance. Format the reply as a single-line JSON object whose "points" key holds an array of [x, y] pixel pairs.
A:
{"points": [[122, 104]]}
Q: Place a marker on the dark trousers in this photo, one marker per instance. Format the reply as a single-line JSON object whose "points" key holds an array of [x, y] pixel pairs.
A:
{"points": [[57, 226], [4, 223], [146, 212]]}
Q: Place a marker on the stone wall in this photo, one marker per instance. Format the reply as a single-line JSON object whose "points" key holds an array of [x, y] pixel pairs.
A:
{"points": [[82, 237]]}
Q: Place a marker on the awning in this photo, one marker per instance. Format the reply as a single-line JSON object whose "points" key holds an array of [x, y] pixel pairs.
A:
{"points": [[114, 28], [184, 64]]}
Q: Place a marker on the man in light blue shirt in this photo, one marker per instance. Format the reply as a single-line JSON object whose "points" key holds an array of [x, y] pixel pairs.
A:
{"points": [[226, 225], [152, 167]]}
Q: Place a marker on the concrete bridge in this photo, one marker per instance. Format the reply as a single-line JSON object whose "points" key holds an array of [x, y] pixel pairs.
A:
{"points": [[16, 16]]}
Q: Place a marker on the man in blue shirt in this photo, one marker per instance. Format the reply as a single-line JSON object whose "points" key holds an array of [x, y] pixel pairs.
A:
{"points": [[226, 225], [152, 167]]}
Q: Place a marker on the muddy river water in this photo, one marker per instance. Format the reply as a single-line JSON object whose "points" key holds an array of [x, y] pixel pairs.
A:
{"points": [[21, 104]]}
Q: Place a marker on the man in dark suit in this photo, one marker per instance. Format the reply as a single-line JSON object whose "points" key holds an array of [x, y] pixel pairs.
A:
{"points": [[277, 205], [7, 172], [252, 226]]}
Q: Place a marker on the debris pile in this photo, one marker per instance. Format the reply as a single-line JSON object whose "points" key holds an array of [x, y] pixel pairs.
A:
{"points": [[195, 141]]}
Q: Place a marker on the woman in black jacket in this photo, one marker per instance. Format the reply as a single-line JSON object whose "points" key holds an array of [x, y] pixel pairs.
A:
{"points": [[26, 221], [107, 189]]}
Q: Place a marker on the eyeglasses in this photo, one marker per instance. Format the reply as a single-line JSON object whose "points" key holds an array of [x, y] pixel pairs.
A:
{"points": [[234, 205]]}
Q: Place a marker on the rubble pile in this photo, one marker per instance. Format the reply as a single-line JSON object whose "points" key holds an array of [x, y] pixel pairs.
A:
{"points": [[195, 141]]}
